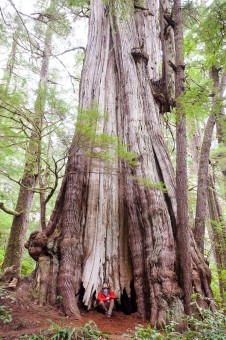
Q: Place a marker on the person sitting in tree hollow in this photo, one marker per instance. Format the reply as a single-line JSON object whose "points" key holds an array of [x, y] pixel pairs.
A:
{"points": [[106, 300]]}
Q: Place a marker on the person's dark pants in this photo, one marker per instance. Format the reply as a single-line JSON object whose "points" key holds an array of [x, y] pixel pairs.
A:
{"points": [[107, 307]]}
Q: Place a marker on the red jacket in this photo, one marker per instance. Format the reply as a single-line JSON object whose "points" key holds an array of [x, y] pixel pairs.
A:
{"points": [[102, 297]]}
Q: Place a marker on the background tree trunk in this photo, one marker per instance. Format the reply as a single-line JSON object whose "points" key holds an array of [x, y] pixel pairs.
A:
{"points": [[15, 245], [216, 227], [200, 217], [110, 227], [183, 234], [220, 125], [218, 233]]}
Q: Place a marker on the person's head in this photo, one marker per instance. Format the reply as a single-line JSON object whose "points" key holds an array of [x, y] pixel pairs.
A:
{"points": [[105, 288]]}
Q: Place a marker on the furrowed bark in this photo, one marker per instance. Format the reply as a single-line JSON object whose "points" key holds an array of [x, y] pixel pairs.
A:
{"points": [[183, 237], [167, 84], [110, 226]]}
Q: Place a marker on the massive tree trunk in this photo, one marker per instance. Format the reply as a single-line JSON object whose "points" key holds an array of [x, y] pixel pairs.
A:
{"points": [[109, 226], [15, 245]]}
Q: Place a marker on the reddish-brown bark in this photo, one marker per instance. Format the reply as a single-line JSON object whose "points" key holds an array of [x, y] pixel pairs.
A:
{"points": [[107, 226], [183, 234]]}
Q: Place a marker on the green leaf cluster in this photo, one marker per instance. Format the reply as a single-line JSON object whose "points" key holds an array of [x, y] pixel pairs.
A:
{"points": [[107, 147], [78, 3], [148, 183], [204, 48], [207, 34]]}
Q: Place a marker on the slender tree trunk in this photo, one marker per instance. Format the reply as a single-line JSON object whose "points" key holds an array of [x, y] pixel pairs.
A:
{"points": [[14, 250], [221, 118], [220, 124], [167, 83], [112, 228], [218, 233], [199, 230], [216, 229], [43, 182], [10, 64], [183, 234]]}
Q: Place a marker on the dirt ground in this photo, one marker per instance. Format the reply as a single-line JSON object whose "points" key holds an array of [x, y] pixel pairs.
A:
{"points": [[29, 318]]}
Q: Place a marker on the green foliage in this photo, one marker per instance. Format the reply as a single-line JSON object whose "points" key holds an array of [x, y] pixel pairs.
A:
{"points": [[79, 57], [5, 223], [215, 283], [1, 257], [218, 154], [211, 325], [204, 47], [207, 325], [58, 106], [60, 332], [145, 333], [88, 331], [148, 183], [207, 33], [107, 147], [78, 3], [28, 265], [120, 8], [5, 313], [4, 294], [196, 99]]}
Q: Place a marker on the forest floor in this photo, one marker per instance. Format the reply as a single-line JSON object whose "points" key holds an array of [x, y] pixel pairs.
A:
{"points": [[28, 318]]}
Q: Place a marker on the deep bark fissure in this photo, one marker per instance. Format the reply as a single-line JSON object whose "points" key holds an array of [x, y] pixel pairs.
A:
{"points": [[167, 198], [112, 227]]}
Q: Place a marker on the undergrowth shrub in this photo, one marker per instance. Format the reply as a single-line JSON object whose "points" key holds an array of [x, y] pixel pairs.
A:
{"points": [[60, 332], [5, 312], [28, 265], [208, 325]]}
